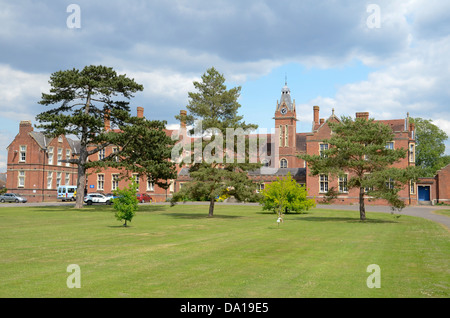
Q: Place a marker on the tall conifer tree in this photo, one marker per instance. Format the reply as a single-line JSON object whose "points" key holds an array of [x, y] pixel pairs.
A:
{"points": [[358, 147], [212, 110], [84, 100]]}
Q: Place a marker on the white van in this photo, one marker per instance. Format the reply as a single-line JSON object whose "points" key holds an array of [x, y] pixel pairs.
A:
{"points": [[67, 193]]}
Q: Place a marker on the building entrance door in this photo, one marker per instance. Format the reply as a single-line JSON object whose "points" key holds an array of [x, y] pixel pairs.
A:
{"points": [[424, 193]]}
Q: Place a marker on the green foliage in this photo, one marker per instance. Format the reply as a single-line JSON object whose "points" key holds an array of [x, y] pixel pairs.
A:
{"points": [[359, 148], [216, 107], [144, 149], [286, 195], [84, 100], [126, 204], [330, 196], [430, 147]]}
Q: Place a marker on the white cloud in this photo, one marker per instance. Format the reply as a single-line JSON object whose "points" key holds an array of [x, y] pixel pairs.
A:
{"points": [[20, 92]]}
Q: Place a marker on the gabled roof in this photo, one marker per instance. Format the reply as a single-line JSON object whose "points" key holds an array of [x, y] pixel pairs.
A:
{"points": [[395, 124], [41, 139], [74, 145]]}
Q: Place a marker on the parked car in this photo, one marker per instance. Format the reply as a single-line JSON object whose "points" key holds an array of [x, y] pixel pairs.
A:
{"points": [[12, 197], [111, 196], [91, 198], [143, 197]]}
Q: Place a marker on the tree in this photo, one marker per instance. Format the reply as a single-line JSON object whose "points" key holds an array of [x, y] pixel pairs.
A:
{"points": [[286, 195], [126, 203], [359, 148], [430, 147], [212, 110], [145, 150], [84, 100]]}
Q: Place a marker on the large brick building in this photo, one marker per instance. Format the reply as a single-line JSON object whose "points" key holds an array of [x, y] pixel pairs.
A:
{"points": [[33, 168]]}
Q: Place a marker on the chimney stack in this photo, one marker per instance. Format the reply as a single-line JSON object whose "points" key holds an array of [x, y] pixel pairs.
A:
{"points": [[364, 115], [316, 114], [322, 120], [183, 113], [140, 112], [25, 127]]}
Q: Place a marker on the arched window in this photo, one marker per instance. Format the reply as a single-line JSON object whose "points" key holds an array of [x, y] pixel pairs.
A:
{"points": [[283, 163]]}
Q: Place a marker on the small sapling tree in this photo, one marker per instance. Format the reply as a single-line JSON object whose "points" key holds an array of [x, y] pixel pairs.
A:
{"points": [[126, 203]]}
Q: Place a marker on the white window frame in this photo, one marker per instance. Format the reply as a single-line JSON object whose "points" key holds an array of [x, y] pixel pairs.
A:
{"points": [[323, 183], [388, 144], [58, 178], [116, 150], [286, 136], [150, 186], [412, 152], [281, 163], [412, 187], [50, 155], [390, 183], [101, 154], [100, 181], [50, 180], [343, 184], [59, 156], [68, 154], [23, 153], [281, 135], [114, 181], [322, 147], [21, 179]]}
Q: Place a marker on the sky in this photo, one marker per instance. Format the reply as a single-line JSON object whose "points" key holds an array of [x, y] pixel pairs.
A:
{"points": [[388, 58]]}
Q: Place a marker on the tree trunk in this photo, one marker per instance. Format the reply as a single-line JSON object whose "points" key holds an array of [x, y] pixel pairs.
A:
{"points": [[362, 209], [211, 207], [81, 182]]}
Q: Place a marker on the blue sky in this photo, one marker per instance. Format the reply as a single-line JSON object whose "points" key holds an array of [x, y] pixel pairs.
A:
{"points": [[335, 54]]}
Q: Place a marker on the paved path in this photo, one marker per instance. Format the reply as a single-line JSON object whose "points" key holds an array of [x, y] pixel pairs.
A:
{"points": [[419, 211]]}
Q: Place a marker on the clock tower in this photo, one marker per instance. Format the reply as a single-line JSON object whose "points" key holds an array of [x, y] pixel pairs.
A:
{"points": [[286, 129]]}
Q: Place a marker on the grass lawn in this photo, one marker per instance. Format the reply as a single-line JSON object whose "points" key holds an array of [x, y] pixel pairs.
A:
{"points": [[240, 252], [443, 212]]}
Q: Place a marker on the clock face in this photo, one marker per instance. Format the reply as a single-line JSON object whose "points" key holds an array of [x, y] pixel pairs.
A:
{"points": [[284, 111]]}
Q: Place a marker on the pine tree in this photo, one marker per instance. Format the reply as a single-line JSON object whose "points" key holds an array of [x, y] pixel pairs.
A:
{"points": [[84, 99], [212, 110], [359, 148]]}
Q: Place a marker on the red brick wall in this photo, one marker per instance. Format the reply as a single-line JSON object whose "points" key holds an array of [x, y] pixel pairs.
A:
{"points": [[35, 167], [443, 184], [313, 141]]}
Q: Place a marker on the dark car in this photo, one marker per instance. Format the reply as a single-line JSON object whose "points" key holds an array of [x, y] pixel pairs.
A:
{"points": [[143, 197], [12, 197]]}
